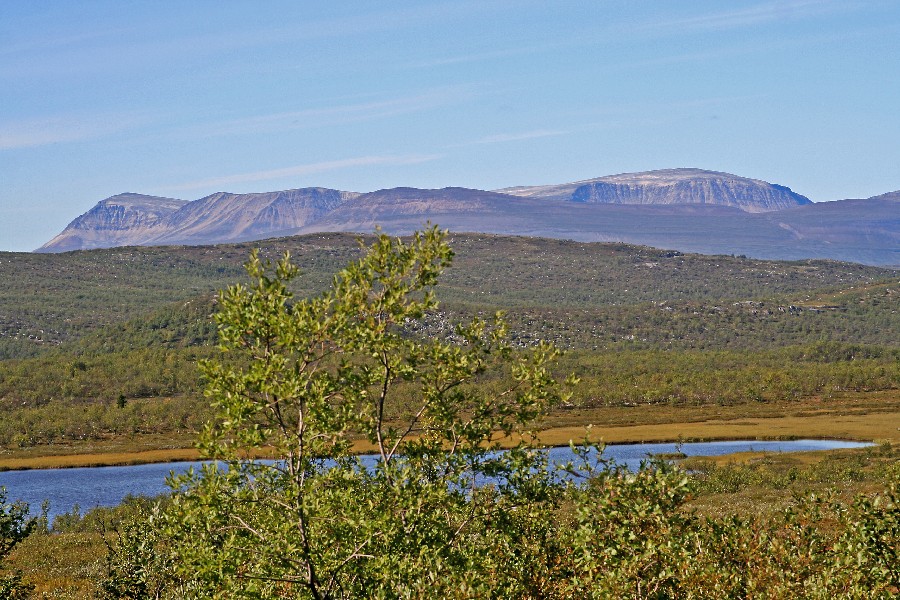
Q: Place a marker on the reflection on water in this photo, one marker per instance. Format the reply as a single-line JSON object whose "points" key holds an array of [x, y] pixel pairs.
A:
{"points": [[106, 486]]}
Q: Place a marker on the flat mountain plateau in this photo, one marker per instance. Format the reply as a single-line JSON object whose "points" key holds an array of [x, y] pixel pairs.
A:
{"points": [[689, 210]]}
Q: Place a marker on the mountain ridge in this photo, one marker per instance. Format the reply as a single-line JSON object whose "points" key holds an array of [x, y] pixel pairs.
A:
{"points": [[689, 210], [119, 220]]}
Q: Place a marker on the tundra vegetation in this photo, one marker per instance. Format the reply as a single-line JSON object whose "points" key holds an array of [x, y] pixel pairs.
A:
{"points": [[642, 328], [305, 376]]}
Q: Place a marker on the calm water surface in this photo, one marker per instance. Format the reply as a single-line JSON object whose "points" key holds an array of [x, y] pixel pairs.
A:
{"points": [[107, 486]]}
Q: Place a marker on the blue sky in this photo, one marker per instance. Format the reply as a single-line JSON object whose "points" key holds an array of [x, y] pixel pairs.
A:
{"points": [[182, 99]]}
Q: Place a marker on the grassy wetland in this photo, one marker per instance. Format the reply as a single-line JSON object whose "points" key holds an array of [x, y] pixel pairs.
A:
{"points": [[99, 352]]}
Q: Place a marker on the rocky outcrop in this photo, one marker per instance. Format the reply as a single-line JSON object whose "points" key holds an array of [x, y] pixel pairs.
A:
{"points": [[136, 220], [672, 186], [122, 220]]}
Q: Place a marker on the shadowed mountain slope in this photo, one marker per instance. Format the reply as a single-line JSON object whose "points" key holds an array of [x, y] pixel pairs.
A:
{"points": [[865, 231], [404, 210], [868, 229]]}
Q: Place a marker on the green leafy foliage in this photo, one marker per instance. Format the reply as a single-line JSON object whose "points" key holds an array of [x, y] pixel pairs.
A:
{"points": [[618, 535], [140, 564], [315, 374], [15, 526]]}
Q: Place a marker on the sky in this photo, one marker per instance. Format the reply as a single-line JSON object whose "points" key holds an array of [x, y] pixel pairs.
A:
{"points": [[183, 99]]}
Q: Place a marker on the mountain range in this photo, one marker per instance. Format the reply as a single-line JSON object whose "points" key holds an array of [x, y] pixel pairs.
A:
{"points": [[690, 210]]}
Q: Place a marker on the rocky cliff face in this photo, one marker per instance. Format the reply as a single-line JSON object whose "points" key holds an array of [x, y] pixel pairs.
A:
{"points": [[672, 186], [223, 217], [122, 220], [133, 219]]}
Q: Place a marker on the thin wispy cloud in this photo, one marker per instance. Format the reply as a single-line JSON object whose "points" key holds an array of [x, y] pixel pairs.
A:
{"points": [[392, 19], [775, 11], [30, 133], [346, 113], [54, 43], [515, 137], [308, 169], [338, 115], [743, 49], [93, 52], [767, 12], [488, 55], [572, 41]]}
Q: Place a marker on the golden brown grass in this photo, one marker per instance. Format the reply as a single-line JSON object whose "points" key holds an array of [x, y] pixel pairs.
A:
{"points": [[864, 427], [852, 416], [105, 445], [65, 565], [102, 459]]}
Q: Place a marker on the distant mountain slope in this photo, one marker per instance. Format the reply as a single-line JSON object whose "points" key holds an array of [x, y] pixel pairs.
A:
{"points": [[404, 210], [135, 220], [671, 186], [683, 209], [122, 220], [873, 222], [864, 231], [223, 217]]}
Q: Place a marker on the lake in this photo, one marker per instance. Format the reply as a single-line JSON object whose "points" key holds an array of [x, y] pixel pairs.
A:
{"points": [[107, 486]]}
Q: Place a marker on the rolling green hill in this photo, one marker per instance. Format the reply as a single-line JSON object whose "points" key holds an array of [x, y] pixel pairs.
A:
{"points": [[105, 342], [48, 299]]}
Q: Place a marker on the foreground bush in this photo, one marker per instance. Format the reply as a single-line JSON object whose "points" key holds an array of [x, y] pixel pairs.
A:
{"points": [[15, 526], [618, 535]]}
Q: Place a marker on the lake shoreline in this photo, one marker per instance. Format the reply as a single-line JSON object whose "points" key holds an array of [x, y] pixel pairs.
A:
{"points": [[856, 417], [175, 455], [64, 489]]}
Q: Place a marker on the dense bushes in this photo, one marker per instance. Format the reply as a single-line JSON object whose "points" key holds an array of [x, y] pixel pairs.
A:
{"points": [[59, 421], [15, 526], [59, 397], [717, 377], [642, 327], [618, 535], [634, 542]]}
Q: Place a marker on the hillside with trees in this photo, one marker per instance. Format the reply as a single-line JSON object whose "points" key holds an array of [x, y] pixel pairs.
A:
{"points": [[105, 343]]}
